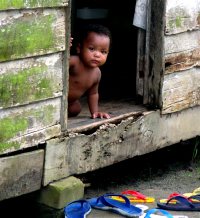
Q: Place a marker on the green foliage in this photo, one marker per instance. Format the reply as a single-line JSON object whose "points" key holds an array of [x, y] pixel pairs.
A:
{"points": [[196, 150]]}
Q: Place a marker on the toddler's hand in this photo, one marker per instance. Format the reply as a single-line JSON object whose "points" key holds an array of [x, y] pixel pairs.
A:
{"points": [[71, 39], [100, 115]]}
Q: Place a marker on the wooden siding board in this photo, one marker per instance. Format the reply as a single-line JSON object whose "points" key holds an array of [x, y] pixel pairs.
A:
{"points": [[181, 90], [31, 140], [21, 174], [20, 121], [30, 80], [178, 62], [182, 16], [31, 33], [20, 4], [182, 56], [182, 42], [35, 138]]}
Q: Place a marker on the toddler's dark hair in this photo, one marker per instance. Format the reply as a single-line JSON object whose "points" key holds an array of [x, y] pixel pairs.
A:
{"points": [[96, 28]]}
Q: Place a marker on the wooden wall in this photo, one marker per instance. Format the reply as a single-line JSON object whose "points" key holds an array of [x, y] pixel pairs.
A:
{"points": [[181, 85], [32, 50]]}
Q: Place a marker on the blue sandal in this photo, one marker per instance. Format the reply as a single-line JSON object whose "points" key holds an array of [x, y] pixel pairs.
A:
{"points": [[182, 204], [154, 210], [77, 209], [105, 202]]}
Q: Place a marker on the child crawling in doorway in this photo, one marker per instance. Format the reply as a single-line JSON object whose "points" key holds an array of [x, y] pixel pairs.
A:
{"points": [[84, 72]]}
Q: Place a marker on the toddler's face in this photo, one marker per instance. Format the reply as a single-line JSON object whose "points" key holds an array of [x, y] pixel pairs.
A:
{"points": [[94, 50]]}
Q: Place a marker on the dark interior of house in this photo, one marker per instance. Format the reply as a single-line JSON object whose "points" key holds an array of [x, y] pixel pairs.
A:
{"points": [[117, 90], [119, 73]]}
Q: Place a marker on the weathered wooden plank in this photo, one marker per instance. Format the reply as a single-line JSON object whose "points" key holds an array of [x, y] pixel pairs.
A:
{"points": [[182, 15], [30, 140], [147, 42], [92, 125], [20, 4], [66, 56], [154, 62], [81, 153], [21, 174], [30, 80], [182, 42], [31, 32], [182, 61], [181, 90], [140, 62], [18, 122]]}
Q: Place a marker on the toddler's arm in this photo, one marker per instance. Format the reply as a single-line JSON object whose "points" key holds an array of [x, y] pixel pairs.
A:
{"points": [[93, 106]]}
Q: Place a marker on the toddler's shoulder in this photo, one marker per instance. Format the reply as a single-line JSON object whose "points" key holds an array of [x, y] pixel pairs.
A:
{"points": [[74, 59]]}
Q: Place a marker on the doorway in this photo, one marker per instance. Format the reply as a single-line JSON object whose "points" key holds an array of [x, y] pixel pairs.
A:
{"points": [[117, 90]]}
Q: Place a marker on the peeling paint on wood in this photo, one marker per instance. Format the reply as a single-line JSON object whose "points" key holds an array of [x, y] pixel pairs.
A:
{"points": [[181, 90], [29, 33], [19, 4], [182, 61], [30, 80], [20, 121], [182, 15]]}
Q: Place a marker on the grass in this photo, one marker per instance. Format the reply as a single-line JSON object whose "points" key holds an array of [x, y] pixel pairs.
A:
{"points": [[196, 151]]}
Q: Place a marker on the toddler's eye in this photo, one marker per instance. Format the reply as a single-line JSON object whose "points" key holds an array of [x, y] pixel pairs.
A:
{"points": [[91, 49], [104, 52]]}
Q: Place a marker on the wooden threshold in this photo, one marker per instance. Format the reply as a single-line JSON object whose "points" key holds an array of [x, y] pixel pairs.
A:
{"points": [[119, 110]]}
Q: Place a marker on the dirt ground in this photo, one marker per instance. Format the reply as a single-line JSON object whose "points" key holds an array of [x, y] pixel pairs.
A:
{"points": [[173, 169], [158, 174]]}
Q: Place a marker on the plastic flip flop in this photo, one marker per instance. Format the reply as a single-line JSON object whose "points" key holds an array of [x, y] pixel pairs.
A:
{"points": [[155, 213], [194, 192], [189, 197], [142, 207], [182, 204], [135, 197], [105, 202], [169, 197], [77, 209]]}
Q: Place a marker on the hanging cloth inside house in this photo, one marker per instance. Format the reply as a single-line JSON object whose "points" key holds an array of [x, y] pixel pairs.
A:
{"points": [[140, 15]]}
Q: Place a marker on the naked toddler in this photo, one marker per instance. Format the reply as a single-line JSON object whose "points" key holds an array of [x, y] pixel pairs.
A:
{"points": [[84, 71]]}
